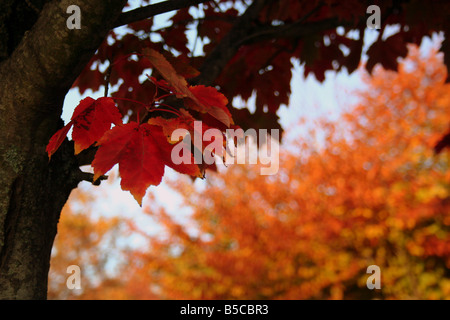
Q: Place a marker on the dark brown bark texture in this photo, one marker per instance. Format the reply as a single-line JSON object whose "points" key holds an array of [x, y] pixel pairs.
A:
{"points": [[39, 60]]}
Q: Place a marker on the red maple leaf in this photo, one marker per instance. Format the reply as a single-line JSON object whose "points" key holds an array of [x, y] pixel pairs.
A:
{"points": [[387, 52], [90, 120], [184, 121], [199, 98], [160, 63], [142, 152], [197, 132], [209, 100], [56, 140]]}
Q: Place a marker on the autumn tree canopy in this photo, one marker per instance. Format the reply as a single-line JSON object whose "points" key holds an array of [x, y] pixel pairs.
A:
{"points": [[240, 49], [364, 189]]}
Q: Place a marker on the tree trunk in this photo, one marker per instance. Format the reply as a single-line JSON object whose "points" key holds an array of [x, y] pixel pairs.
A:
{"points": [[34, 79], [36, 198]]}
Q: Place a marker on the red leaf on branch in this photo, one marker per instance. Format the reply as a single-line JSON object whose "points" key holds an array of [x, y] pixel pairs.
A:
{"points": [[90, 120], [387, 52], [209, 100], [142, 152], [57, 139], [187, 122], [199, 98], [166, 70]]}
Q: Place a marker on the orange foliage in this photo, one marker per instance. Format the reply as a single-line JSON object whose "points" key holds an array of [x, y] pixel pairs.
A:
{"points": [[367, 190], [91, 244]]}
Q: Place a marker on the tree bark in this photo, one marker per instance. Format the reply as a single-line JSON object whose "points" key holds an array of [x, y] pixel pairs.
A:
{"points": [[35, 78]]}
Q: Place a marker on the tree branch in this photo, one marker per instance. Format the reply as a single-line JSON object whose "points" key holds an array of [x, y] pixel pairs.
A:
{"points": [[244, 32], [153, 10], [89, 177], [227, 48], [294, 30], [86, 156]]}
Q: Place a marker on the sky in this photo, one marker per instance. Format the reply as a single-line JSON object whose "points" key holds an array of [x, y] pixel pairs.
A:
{"points": [[309, 99]]}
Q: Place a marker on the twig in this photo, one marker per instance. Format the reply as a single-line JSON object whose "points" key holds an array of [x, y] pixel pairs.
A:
{"points": [[153, 10], [89, 177]]}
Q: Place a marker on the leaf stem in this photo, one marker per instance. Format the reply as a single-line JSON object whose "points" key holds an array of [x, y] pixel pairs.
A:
{"points": [[130, 100]]}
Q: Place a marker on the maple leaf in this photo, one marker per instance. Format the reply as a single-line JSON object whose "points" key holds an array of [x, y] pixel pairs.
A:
{"points": [[352, 60], [142, 152], [386, 52], [175, 35], [93, 82], [56, 140], [166, 70], [209, 100], [90, 120], [187, 122], [199, 98], [181, 65]]}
